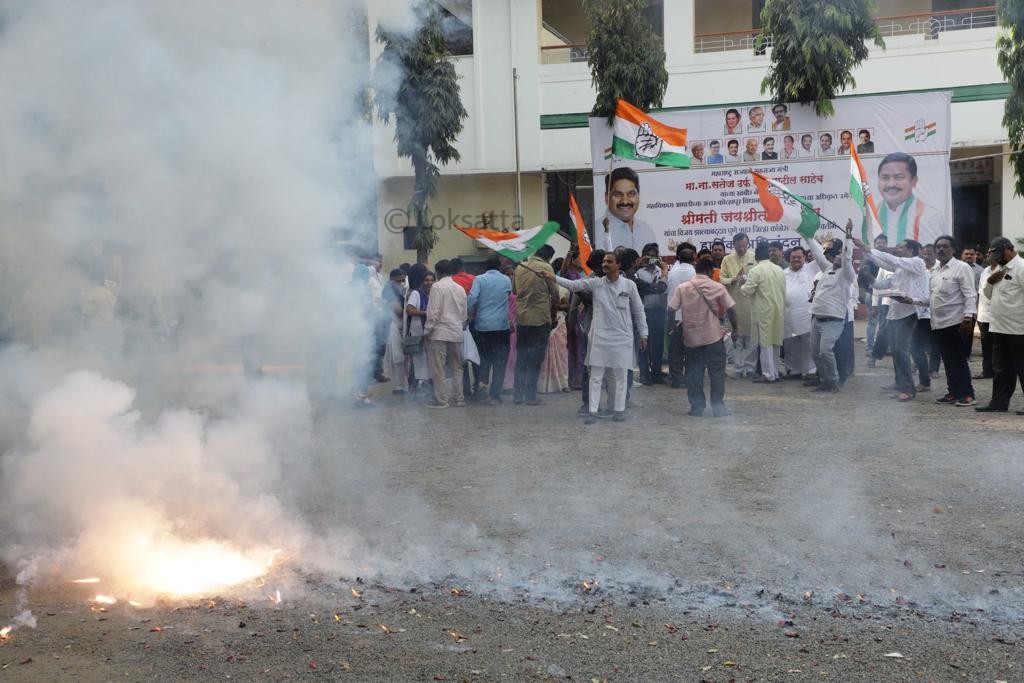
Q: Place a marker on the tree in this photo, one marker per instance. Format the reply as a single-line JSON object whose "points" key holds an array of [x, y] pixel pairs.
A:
{"points": [[815, 44], [1011, 61], [625, 56], [418, 86]]}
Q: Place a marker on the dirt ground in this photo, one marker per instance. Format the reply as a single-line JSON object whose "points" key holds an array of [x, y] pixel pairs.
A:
{"points": [[807, 537]]}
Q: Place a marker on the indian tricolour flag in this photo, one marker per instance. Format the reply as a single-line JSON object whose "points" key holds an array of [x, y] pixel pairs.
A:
{"points": [[582, 238], [860, 192], [517, 245], [638, 136], [783, 206]]}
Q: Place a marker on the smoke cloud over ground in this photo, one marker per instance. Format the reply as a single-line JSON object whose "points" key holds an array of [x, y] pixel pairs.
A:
{"points": [[175, 180]]}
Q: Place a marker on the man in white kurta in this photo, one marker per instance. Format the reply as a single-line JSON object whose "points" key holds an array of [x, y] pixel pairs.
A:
{"points": [[618, 309], [797, 332]]}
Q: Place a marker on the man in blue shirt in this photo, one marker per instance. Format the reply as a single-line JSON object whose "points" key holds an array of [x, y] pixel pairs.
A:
{"points": [[488, 300]]}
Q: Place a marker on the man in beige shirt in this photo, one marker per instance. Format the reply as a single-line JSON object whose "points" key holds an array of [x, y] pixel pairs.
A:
{"points": [[443, 335], [534, 297]]}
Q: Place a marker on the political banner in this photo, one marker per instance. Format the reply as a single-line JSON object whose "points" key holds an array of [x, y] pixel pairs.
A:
{"points": [[903, 142]]}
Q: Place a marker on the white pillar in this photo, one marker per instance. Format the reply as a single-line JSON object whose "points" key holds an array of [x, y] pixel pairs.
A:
{"points": [[679, 27], [1013, 207]]}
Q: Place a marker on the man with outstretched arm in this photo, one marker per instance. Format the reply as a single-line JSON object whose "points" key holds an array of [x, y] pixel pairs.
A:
{"points": [[909, 283], [618, 309]]}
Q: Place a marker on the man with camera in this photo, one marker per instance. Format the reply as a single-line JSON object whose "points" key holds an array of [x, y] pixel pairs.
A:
{"points": [[830, 296]]}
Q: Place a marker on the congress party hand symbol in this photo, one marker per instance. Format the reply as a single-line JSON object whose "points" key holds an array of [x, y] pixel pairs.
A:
{"points": [[647, 144]]}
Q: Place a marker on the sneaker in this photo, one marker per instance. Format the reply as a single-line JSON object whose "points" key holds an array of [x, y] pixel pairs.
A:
{"points": [[695, 412], [935, 374], [460, 403], [830, 388], [605, 414], [948, 398], [812, 382], [589, 419], [363, 402], [619, 416], [436, 405], [922, 387], [720, 411], [583, 410], [966, 402]]}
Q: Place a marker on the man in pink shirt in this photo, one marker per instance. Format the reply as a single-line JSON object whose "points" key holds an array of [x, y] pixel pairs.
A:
{"points": [[702, 303]]}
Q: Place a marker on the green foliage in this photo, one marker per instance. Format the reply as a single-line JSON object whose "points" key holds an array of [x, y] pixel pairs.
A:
{"points": [[417, 86], [1011, 61], [816, 44], [625, 55]]}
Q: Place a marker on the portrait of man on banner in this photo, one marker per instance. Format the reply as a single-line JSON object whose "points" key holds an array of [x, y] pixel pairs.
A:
{"points": [[901, 212], [622, 199]]}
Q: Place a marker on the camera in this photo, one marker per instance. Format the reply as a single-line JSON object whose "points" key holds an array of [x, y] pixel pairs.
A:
{"points": [[653, 260]]}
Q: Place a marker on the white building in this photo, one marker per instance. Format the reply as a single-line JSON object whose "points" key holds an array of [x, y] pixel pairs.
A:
{"points": [[930, 45]]}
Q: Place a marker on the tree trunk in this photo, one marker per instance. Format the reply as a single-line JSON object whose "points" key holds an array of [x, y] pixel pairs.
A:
{"points": [[419, 203]]}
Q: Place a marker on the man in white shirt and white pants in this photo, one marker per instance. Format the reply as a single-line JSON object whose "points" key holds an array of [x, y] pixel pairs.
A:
{"points": [[618, 312], [1005, 288], [953, 302]]}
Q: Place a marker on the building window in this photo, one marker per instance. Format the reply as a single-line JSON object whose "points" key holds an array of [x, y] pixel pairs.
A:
{"points": [[457, 25], [564, 29]]}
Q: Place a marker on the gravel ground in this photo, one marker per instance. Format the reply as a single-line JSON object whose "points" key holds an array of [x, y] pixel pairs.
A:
{"points": [[807, 537]]}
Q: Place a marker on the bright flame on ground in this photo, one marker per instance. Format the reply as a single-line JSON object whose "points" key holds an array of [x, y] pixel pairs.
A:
{"points": [[143, 555], [105, 600], [92, 580], [176, 568], [5, 631]]}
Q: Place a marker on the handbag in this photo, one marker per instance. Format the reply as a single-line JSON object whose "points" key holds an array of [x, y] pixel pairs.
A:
{"points": [[411, 343]]}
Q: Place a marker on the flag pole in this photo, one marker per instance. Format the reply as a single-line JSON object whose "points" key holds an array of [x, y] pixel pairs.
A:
{"points": [[824, 218]]}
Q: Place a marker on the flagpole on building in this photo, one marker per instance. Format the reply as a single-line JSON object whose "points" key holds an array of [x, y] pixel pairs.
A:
{"points": [[515, 139]]}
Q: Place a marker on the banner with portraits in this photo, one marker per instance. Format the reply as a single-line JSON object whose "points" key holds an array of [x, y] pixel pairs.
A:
{"points": [[902, 140]]}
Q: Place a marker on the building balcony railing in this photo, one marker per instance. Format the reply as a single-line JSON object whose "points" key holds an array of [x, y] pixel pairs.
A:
{"points": [[563, 54], [929, 24]]}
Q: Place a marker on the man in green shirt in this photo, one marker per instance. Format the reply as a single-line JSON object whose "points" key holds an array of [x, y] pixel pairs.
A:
{"points": [[534, 298]]}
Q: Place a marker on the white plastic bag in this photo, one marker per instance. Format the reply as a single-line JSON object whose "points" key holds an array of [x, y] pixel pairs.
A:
{"points": [[469, 350]]}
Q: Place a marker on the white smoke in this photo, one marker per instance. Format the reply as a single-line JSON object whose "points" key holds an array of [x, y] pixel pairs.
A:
{"points": [[175, 179]]}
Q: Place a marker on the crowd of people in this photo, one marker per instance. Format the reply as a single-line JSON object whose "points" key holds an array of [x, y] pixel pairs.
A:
{"points": [[770, 313], [773, 315]]}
